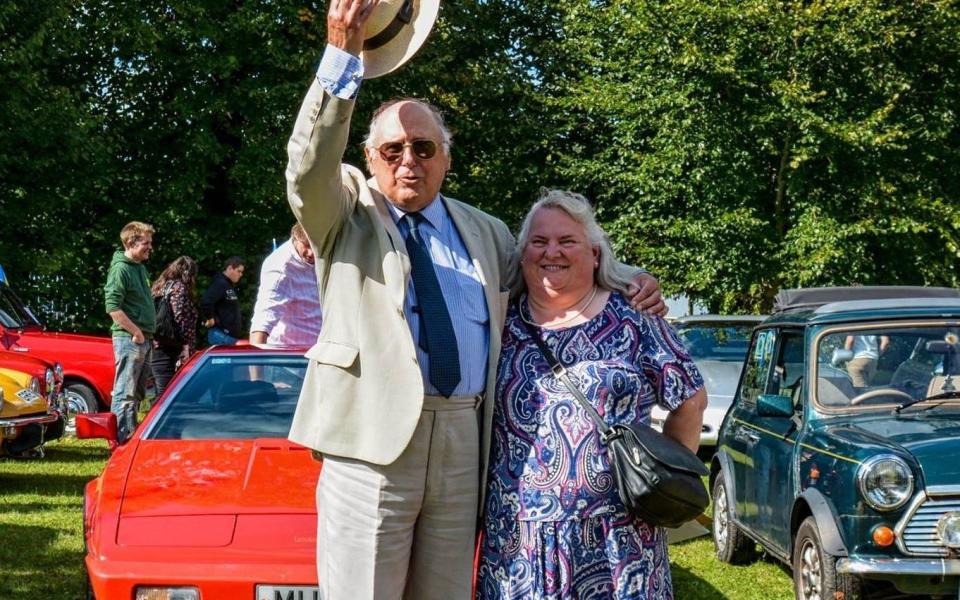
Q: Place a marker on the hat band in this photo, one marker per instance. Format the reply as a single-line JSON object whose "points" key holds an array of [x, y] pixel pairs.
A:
{"points": [[404, 16]]}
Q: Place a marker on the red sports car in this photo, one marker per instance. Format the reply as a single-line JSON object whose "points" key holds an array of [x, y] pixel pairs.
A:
{"points": [[208, 500]]}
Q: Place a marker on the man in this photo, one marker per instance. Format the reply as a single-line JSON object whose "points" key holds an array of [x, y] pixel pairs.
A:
{"points": [[413, 284], [129, 303], [287, 312], [220, 306], [866, 354]]}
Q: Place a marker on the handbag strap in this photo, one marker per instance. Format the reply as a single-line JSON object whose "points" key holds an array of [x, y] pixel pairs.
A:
{"points": [[560, 372]]}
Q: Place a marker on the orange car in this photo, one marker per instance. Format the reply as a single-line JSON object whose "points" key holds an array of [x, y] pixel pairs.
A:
{"points": [[208, 499]]}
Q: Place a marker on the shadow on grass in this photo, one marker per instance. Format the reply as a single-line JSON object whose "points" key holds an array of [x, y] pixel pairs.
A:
{"points": [[35, 567], [45, 484], [688, 585]]}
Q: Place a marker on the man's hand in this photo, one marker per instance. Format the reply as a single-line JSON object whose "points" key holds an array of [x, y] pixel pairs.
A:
{"points": [[208, 323], [644, 294], [346, 23], [138, 336]]}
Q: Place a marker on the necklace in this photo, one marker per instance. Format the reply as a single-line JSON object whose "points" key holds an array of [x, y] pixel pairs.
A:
{"points": [[583, 306]]}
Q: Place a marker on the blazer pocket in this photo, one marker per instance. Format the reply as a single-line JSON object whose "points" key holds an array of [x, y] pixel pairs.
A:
{"points": [[334, 353]]}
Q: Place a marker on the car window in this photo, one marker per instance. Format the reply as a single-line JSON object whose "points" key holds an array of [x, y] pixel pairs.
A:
{"points": [[757, 371], [885, 366], [787, 376], [716, 341], [13, 313], [228, 397]]}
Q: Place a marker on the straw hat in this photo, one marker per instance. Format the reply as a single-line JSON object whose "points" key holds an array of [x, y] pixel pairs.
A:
{"points": [[395, 31]]}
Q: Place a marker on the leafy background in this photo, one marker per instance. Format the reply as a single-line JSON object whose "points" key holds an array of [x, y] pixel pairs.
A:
{"points": [[731, 147]]}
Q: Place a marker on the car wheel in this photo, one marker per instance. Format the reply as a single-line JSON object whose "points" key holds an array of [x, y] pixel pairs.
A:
{"points": [[815, 575], [732, 544], [80, 399]]}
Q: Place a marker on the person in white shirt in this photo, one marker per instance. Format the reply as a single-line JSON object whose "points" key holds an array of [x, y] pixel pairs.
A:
{"points": [[866, 354], [287, 312]]}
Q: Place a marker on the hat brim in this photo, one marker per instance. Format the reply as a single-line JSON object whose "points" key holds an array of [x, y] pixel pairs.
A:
{"points": [[405, 44]]}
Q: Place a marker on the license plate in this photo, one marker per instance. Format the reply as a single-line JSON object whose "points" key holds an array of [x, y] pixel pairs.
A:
{"points": [[288, 592]]}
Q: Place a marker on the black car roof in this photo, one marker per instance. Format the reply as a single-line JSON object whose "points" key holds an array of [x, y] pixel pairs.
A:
{"points": [[811, 298]]}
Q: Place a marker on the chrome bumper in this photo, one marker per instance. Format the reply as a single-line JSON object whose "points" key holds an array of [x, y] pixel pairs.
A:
{"points": [[21, 421], [926, 567]]}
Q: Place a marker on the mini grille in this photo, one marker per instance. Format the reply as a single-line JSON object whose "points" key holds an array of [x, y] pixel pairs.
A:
{"points": [[920, 534]]}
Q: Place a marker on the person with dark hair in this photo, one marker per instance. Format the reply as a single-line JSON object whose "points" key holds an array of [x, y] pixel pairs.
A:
{"points": [[127, 301], [287, 312], [177, 284], [220, 305]]}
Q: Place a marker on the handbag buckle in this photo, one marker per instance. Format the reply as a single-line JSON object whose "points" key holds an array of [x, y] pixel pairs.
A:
{"points": [[558, 370], [610, 434]]}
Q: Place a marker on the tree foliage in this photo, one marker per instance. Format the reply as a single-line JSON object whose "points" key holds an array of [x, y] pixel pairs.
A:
{"points": [[733, 147]]}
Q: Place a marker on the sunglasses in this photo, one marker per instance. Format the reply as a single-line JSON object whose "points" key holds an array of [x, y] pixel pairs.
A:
{"points": [[392, 152]]}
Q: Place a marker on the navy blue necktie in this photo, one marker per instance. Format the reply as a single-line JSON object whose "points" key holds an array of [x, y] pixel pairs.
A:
{"points": [[435, 323]]}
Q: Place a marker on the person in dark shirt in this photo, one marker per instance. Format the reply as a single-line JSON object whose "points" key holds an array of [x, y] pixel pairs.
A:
{"points": [[220, 306]]}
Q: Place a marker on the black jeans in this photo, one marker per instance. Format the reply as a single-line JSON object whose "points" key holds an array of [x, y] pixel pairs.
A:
{"points": [[164, 364]]}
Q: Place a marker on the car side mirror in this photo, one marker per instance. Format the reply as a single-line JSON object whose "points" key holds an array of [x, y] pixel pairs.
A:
{"points": [[774, 405], [98, 426]]}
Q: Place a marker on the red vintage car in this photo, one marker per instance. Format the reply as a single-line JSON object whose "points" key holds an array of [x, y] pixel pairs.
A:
{"points": [[87, 360], [208, 499]]}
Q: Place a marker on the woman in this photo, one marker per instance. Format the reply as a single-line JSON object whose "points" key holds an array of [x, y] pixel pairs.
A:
{"points": [[554, 526], [177, 282]]}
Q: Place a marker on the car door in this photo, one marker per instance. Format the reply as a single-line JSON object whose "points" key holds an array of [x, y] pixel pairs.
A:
{"points": [[738, 436], [769, 479]]}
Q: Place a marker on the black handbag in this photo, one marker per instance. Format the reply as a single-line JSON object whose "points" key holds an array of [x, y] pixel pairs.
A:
{"points": [[658, 479], [167, 333]]}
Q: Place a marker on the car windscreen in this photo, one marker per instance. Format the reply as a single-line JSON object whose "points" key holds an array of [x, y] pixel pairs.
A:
{"points": [[13, 313], [886, 366], [233, 397], [716, 341]]}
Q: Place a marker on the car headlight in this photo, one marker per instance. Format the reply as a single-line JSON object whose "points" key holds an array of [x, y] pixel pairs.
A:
{"points": [[50, 381], [885, 482], [34, 385], [58, 372]]}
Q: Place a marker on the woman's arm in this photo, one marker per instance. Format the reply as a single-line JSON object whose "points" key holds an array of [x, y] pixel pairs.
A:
{"points": [[684, 423]]}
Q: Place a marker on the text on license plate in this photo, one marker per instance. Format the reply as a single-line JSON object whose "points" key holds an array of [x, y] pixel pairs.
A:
{"points": [[287, 592]]}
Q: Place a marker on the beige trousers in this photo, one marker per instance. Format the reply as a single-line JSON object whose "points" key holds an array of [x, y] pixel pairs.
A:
{"points": [[861, 371], [404, 530]]}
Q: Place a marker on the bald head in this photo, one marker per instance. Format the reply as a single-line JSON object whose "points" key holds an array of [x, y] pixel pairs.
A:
{"points": [[411, 182]]}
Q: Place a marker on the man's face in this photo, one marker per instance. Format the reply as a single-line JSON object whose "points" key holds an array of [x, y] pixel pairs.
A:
{"points": [[410, 182], [139, 251], [234, 273], [304, 250]]}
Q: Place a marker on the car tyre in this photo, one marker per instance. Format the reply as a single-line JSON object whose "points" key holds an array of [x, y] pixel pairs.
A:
{"points": [[732, 544], [80, 399], [815, 574]]}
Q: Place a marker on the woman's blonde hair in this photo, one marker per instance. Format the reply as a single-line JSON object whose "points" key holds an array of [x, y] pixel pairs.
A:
{"points": [[579, 209]]}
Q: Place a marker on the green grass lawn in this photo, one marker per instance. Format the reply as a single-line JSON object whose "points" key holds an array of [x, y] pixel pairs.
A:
{"points": [[41, 545]]}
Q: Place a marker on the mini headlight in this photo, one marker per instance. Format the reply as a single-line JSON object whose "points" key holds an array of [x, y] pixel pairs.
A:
{"points": [[167, 593], [58, 371], [885, 482], [34, 385], [948, 529], [50, 381]]}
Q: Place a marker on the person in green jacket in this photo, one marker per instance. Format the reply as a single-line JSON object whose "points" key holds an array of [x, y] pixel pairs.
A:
{"points": [[129, 303]]}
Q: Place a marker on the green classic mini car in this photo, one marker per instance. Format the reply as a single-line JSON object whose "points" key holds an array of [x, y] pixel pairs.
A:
{"points": [[840, 454]]}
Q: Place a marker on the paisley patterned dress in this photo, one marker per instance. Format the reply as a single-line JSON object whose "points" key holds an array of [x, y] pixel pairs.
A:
{"points": [[554, 527]]}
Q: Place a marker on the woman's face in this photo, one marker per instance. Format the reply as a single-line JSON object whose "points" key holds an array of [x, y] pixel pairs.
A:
{"points": [[558, 258]]}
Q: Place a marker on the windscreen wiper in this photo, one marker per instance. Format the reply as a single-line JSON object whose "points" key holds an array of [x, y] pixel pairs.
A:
{"points": [[940, 396]]}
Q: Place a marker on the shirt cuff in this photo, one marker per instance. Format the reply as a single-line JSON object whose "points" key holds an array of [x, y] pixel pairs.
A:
{"points": [[340, 73]]}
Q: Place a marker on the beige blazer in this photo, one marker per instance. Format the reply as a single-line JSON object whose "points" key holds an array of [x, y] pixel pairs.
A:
{"points": [[363, 391]]}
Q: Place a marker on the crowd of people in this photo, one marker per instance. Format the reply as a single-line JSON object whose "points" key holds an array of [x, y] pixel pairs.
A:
{"points": [[426, 397]]}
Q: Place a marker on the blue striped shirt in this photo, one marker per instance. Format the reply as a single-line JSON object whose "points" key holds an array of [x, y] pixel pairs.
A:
{"points": [[463, 293], [340, 73]]}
